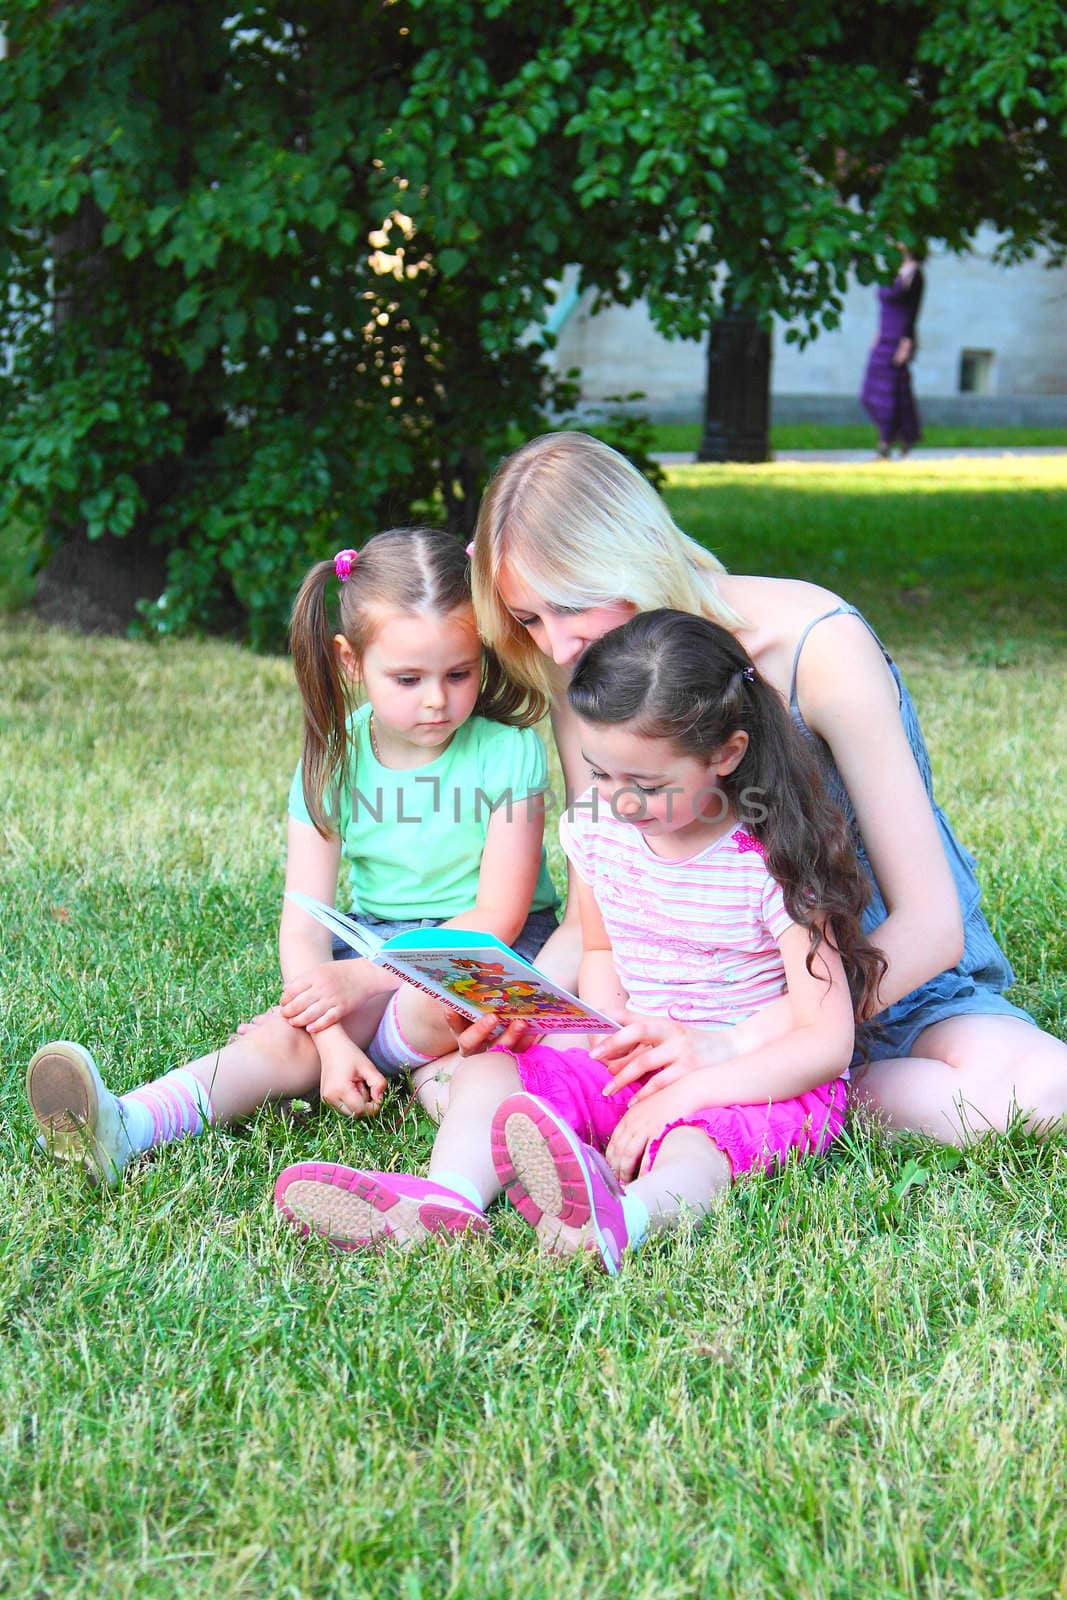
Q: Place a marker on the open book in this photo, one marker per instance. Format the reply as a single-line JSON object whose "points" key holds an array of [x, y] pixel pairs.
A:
{"points": [[474, 973]]}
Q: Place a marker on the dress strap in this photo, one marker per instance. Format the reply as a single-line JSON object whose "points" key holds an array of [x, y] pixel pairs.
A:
{"points": [[843, 610]]}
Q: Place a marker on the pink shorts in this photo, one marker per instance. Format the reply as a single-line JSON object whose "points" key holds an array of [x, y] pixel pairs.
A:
{"points": [[570, 1081]]}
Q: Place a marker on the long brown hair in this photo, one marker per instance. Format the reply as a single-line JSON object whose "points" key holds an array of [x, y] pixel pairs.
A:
{"points": [[680, 677], [411, 571]]}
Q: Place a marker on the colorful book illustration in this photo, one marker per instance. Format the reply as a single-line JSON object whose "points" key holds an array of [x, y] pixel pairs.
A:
{"points": [[472, 972]]}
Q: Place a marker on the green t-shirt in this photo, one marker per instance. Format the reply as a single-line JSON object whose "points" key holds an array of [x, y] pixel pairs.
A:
{"points": [[414, 839]]}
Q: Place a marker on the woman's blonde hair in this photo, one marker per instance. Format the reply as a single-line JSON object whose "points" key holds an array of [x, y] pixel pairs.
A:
{"points": [[575, 521]]}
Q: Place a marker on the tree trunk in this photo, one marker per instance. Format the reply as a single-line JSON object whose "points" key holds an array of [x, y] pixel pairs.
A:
{"points": [[93, 585], [737, 401]]}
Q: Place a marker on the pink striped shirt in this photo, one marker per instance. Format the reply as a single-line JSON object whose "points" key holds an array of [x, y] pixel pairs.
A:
{"points": [[696, 940]]}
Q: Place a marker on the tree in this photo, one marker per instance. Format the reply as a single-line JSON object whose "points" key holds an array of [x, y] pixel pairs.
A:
{"points": [[272, 269]]}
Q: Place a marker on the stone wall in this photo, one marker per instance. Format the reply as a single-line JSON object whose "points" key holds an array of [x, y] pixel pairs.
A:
{"points": [[992, 347]]}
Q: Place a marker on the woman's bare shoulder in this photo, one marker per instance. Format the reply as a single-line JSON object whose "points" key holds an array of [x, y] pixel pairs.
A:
{"points": [[791, 601], [776, 613]]}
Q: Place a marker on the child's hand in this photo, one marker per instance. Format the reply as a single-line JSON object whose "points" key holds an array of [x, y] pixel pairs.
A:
{"points": [[489, 1033], [351, 1083], [662, 1046], [319, 998], [644, 1045], [627, 1152]]}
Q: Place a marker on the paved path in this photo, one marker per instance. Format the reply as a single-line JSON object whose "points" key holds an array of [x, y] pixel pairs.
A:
{"points": [[684, 458]]}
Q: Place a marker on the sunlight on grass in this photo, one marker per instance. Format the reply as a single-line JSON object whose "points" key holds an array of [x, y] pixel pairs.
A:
{"points": [[903, 478], [953, 555]]}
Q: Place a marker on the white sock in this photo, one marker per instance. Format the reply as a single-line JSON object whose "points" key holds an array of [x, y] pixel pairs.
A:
{"points": [[456, 1181], [690, 1177], [635, 1213], [176, 1106]]}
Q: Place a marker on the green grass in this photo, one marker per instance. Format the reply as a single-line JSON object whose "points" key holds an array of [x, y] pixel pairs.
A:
{"points": [[850, 1382], [968, 555], [685, 436]]}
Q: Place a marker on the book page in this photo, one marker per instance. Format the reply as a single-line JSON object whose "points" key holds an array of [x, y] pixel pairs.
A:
{"points": [[473, 972], [341, 926], [493, 980]]}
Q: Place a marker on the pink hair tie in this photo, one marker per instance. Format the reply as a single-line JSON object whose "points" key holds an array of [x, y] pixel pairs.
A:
{"points": [[343, 562], [470, 551]]}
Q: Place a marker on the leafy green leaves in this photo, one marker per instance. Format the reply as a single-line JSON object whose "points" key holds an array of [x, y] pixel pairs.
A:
{"points": [[308, 255]]}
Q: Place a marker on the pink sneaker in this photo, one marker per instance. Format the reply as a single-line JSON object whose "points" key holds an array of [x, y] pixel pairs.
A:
{"points": [[550, 1176], [359, 1210]]}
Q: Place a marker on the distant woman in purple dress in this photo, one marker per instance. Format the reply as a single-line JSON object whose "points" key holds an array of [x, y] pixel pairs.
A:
{"points": [[886, 393]]}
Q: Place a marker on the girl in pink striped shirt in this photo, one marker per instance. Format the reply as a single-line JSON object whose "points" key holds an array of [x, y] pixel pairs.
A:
{"points": [[714, 876]]}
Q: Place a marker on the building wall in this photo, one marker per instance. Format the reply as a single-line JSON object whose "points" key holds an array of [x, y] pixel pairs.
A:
{"points": [[1012, 319]]}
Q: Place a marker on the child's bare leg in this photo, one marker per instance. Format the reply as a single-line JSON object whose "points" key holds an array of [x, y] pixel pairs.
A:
{"points": [[358, 1209], [690, 1178], [421, 1020], [572, 1199], [462, 1157], [81, 1120], [432, 1084], [271, 1061]]}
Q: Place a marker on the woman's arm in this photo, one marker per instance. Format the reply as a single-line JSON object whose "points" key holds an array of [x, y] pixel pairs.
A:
{"points": [[598, 981], [560, 956], [849, 697], [566, 733]]}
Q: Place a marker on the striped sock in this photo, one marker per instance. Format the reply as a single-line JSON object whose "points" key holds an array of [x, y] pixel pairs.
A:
{"points": [[389, 1050], [176, 1106]]}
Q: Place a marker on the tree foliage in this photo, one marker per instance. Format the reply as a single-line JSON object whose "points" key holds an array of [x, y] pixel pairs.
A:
{"points": [[274, 272]]}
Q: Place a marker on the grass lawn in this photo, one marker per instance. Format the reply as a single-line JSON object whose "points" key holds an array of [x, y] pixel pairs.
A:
{"points": [[965, 555], [851, 1381], [861, 436]]}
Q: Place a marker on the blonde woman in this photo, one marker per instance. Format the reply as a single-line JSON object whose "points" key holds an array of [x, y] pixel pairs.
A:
{"points": [[571, 541]]}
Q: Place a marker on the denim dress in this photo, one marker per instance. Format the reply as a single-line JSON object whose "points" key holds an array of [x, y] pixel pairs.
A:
{"points": [[977, 983]]}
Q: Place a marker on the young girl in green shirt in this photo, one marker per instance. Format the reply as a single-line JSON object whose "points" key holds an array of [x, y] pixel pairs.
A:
{"points": [[398, 788]]}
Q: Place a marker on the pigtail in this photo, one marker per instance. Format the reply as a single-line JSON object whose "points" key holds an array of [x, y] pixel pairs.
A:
{"points": [[325, 742]]}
